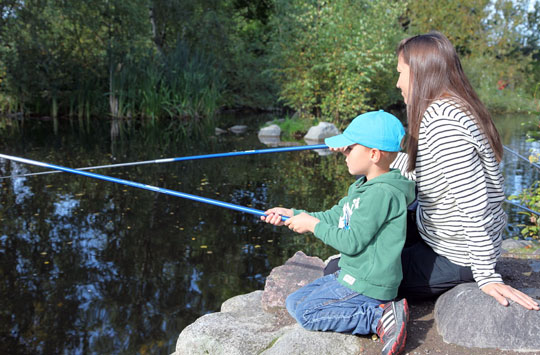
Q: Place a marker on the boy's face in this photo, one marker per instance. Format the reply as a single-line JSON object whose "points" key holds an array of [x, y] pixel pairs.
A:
{"points": [[358, 159]]}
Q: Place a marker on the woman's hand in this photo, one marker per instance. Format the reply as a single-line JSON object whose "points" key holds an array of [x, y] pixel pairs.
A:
{"points": [[273, 215], [302, 223], [502, 293]]}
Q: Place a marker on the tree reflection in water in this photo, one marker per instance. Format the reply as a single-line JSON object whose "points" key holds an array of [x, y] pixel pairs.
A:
{"points": [[94, 267]]}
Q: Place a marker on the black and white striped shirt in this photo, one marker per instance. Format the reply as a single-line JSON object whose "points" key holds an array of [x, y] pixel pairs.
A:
{"points": [[460, 190]]}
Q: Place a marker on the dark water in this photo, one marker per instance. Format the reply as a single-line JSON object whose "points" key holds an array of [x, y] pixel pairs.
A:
{"points": [[90, 266]]}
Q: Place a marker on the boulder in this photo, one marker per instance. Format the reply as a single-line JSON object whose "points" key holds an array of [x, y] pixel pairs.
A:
{"points": [[467, 316], [297, 341], [270, 135], [241, 328], [318, 133], [270, 131], [297, 272]]}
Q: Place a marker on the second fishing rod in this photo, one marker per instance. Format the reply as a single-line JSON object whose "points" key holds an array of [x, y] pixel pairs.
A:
{"points": [[186, 158]]}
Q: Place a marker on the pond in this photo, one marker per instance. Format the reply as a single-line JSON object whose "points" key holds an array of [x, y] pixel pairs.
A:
{"points": [[90, 266]]}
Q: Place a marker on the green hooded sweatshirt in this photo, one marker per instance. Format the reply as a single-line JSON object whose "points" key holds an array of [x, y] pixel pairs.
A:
{"points": [[368, 228]]}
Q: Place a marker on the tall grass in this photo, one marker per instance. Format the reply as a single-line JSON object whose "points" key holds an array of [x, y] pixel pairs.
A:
{"points": [[182, 85]]}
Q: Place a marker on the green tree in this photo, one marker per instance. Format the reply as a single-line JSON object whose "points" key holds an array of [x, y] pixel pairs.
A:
{"points": [[336, 59], [486, 34], [147, 58]]}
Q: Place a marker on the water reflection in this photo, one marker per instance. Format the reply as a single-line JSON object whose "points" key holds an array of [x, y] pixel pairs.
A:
{"points": [[94, 267]]}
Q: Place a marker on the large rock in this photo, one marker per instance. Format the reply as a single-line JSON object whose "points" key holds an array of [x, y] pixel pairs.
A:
{"points": [[270, 135], [318, 133], [270, 131], [467, 316], [240, 328], [297, 272], [298, 341]]}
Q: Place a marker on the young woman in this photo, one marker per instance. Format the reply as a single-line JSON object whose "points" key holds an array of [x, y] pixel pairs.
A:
{"points": [[453, 152]]}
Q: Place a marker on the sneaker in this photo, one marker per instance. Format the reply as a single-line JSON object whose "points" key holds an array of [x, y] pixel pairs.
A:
{"points": [[392, 327]]}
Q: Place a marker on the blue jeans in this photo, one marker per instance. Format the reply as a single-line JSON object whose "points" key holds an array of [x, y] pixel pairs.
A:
{"points": [[327, 305]]}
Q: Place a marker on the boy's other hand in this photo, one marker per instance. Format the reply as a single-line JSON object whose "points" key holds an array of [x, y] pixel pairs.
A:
{"points": [[302, 223], [273, 215], [338, 150]]}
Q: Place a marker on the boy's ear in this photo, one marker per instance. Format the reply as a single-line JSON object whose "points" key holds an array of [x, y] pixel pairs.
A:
{"points": [[375, 155]]}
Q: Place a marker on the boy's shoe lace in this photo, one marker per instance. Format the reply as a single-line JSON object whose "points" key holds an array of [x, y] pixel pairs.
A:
{"points": [[392, 327]]}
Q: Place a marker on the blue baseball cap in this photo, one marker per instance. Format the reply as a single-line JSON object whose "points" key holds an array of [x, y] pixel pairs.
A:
{"points": [[377, 129]]}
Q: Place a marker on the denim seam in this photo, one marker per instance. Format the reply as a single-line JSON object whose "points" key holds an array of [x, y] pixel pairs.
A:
{"points": [[333, 317]]}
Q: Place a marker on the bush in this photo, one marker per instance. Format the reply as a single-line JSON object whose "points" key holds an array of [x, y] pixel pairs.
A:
{"points": [[336, 59], [500, 88]]}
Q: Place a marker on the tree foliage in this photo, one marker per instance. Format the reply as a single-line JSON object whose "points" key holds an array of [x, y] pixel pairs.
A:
{"points": [[187, 59], [486, 34], [126, 58], [335, 59]]}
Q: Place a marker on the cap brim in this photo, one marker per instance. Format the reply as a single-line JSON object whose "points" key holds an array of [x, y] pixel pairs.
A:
{"points": [[338, 141]]}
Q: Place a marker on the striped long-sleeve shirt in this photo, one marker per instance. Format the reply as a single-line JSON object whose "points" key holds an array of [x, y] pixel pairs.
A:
{"points": [[460, 190]]}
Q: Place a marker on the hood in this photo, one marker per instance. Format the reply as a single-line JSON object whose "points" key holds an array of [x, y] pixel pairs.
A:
{"points": [[396, 180]]}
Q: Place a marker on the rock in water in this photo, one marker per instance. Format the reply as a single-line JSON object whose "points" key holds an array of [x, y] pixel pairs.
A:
{"points": [[238, 129], [318, 133], [270, 131], [467, 316]]}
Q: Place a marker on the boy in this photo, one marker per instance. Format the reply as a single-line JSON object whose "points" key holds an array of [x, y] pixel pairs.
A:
{"points": [[368, 227]]}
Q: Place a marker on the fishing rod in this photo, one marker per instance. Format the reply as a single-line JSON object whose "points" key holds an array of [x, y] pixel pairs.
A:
{"points": [[522, 207], [209, 156], [521, 156], [192, 157], [141, 186], [80, 171]]}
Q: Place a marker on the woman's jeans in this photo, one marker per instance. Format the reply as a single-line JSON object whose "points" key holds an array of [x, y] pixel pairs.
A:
{"points": [[327, 305]]}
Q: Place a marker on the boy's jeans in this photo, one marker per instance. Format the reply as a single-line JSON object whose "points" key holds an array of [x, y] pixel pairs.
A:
{"points": [[327, 305]]}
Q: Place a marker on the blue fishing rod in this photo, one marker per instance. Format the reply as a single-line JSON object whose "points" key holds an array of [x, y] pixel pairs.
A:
{"points": [[186, 158], [140, 186], [521, 156], [80, 171]]}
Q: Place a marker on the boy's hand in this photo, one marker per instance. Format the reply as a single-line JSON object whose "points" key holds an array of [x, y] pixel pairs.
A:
{"points": [[338, 150], [273, 215], [302, 223]]}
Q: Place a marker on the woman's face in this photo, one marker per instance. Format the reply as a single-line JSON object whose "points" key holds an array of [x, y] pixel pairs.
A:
{"points": [[403, 81]]}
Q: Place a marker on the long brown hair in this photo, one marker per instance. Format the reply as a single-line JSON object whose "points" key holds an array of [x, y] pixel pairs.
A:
{"points": [[435, 73]]}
